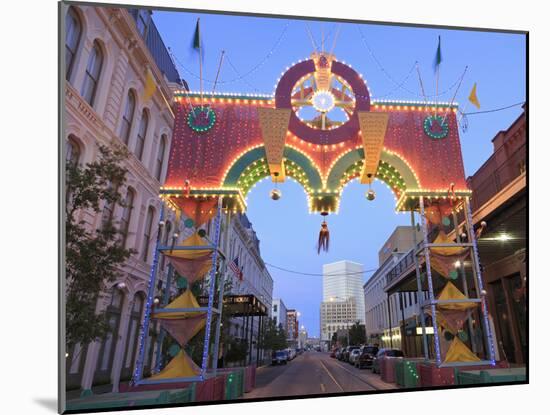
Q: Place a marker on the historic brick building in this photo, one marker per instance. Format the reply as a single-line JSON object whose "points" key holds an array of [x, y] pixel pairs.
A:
{"points": [[500, 199]]}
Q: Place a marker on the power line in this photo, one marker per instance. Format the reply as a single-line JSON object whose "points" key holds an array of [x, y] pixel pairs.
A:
{"points": [[494, 110], [318, 275]]}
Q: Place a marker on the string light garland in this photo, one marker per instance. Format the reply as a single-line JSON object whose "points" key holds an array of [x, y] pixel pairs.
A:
{"points": [[400, 84], [247, 73]]}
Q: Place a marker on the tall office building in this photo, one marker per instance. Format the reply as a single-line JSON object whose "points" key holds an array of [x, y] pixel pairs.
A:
{"points": [[342, 281], [343, 300]]}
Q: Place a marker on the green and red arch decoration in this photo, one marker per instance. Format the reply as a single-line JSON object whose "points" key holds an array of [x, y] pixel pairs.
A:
{"points": [[414, 146]]}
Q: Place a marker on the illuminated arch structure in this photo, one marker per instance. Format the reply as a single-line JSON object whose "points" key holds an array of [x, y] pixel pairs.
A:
{"points": [[231, 149], [224, 143]]}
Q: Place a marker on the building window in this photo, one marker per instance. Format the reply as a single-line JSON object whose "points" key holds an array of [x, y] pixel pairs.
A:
{"points": [[126, 215], [73, 31], [91, 77], [147, 233], [72, 156], [128, 117], [108, 208], [160, 157], [140, 144], [522, 167]]}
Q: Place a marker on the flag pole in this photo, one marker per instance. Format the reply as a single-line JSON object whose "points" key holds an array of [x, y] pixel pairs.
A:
{"points": [[200, 60], [218, 73], [454, 96]]}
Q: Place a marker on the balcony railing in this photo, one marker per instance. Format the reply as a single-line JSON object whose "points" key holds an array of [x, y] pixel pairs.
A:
{"points": [[512, 168]]}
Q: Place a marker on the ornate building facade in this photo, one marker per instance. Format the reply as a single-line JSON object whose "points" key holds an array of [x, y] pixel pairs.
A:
{"points": [[109, 53]]}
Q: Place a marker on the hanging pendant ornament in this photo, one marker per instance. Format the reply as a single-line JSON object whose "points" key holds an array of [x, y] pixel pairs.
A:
{"points": [[370, 194], [275, 194], [324, 236]]}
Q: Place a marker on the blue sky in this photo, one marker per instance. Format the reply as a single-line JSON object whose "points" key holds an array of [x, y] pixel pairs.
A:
{"points": [[263, 48]]}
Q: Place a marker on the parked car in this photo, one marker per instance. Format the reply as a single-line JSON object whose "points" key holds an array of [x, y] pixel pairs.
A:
{"points": [[279, 357], [347, 352], [366, 356], [353, 355], [333, 353], [338, 353], [384, 353], [291, 354]]}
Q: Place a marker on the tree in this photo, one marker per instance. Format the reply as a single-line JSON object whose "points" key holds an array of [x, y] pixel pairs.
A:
{"points": [[357, 334], [93, 256], [334, 339], [274, 337]]}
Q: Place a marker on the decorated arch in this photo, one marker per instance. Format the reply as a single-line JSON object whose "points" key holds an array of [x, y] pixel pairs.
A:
{"points": [[321, 128]]}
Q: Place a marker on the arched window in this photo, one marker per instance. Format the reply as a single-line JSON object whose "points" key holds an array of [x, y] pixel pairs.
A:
{"points": [[72, 156], [73, 31], [128, 116], [147, 233], [126, 215], [107, 213], [132, 337], [140, 144], [160, 157], [91, 77], [107, 351]]}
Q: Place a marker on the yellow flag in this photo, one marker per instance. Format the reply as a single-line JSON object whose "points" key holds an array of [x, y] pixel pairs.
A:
{"points": [[150, 86], [473, 96]]}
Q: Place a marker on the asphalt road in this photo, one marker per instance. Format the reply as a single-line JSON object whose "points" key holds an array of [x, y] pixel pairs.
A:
{"points": [[313, 373]]}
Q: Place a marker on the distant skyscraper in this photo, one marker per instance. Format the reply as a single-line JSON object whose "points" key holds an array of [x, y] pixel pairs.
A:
{"points": [[343, 300], [343, 280]]}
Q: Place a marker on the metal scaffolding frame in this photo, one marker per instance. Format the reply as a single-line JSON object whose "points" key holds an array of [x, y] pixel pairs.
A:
{"points": [[423, 249], [217, 253]]}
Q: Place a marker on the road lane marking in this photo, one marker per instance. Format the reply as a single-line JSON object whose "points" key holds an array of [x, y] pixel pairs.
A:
{"points": [[332, 377], [357, 376]]}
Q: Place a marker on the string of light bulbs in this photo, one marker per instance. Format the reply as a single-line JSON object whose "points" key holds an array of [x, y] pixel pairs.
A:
{"points": [[392, 79], [245, 74]]}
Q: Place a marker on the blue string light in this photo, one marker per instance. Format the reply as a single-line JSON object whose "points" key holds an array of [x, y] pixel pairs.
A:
{"points": [[211, 291], [138, 371]]}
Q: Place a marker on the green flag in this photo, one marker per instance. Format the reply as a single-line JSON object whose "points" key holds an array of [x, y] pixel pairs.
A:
{"points": [[438, 58], [197, 37]]}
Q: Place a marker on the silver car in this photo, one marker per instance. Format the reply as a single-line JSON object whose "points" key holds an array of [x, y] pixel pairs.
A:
{"points": [[353, 355]]}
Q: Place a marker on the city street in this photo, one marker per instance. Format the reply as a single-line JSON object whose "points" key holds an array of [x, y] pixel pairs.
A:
{"points": [[313, 373]]}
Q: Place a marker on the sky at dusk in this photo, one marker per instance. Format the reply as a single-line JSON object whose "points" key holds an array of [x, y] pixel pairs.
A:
{"points": [[258, 50]]}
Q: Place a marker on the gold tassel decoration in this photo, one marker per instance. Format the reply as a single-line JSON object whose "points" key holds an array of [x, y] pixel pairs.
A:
{"points": [[324, 236]]}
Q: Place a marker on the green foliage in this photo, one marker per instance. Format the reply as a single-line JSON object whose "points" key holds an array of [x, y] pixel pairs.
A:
{"points": [[274, 337], [237, 350], [92, 256], [357, 334]]}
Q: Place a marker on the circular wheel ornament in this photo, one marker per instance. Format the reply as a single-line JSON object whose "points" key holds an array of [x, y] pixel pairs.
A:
{"points": [[325, 96], [201, 119], [436, 127]]}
